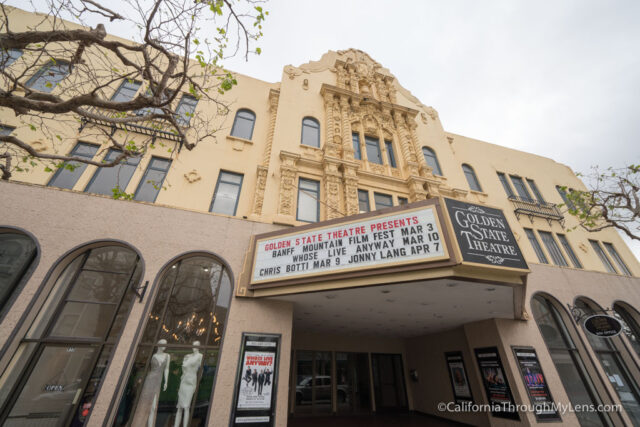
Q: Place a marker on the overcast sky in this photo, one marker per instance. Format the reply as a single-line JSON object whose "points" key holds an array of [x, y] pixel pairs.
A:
{"points": [[556, 78]]}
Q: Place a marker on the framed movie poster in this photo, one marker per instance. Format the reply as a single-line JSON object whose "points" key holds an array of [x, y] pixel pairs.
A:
{"points": [[256, 381], [536, 384], [495, 383], [458, 377]]}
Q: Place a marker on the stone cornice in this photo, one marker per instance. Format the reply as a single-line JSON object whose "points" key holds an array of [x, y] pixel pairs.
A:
{"points": [[326, 88]]}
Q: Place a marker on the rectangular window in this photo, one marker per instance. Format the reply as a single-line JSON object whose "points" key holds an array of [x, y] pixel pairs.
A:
{"points": [[567, 248], [373, 150], [553, 248], [505, 184], [522, 191], [127, 91], [65, 178], [536, 246], [388, 145], [363, 201], [382, 200], [152, 180], [227, 193], [308, 200], [603, 257], [6, 130], [536, 192], [566, 200], [48, 77], [616, 257], [106, 179], [402, 201], [186, 108], [8, 57], [357, 154]]}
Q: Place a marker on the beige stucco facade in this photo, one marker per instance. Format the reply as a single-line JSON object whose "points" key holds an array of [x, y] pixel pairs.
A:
{"points": [[348, 93]]}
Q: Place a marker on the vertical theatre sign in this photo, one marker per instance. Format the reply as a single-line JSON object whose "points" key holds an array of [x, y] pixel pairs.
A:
{"points": [[256, 380], [484, 236]]}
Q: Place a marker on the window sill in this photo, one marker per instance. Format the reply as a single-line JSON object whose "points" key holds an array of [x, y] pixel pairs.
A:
{"points": [[238, 144], [310, 147]]}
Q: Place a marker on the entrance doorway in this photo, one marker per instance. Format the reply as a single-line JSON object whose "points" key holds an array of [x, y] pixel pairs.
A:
{"points": [[354, 388], [313, 382], [388, 382]]}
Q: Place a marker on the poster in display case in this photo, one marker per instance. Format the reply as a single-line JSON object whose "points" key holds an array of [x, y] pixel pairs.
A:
{"points": [[256, 381], [458, 376], [536, 384], [495, 383]]}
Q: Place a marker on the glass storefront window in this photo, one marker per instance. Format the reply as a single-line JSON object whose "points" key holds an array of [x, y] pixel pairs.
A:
{"points": [[69, 345], [567, 361], [173, 375], [613, 365], [630, 325], [17, 252]]}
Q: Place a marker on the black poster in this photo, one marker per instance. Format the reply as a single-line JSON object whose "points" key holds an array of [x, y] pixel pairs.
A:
{"points": [[536, 384], [495, 383], [256, 380], [484, 235], [458, 376]]}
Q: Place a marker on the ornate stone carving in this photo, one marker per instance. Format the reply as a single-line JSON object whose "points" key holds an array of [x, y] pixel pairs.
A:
{"points": [[332, 183], [431, 112], [350, 180], [292, 71], [261, 184], [423, 117], [192, 176], [288, 172], [39, 146], [263, 169], [305, 84], [407, 151]]}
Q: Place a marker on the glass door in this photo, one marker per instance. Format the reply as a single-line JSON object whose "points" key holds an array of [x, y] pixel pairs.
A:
{"points": [[314, 382], [353, 387], [388, 382]]}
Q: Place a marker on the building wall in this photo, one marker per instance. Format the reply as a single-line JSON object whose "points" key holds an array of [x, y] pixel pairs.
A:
{"points": [[64, 221], [346, 91]]}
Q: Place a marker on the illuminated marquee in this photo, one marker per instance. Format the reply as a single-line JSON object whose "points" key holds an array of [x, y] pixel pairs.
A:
{"points": [[409, 236]]}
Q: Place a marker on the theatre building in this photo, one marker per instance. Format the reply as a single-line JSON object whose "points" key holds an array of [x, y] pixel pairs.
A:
{"points": [[335, 256]]}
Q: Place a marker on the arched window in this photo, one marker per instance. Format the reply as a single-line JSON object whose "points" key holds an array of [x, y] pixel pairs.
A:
{"points": [[17, 252], [310, 132], [630, 326], [432, 160], [243, 124], [567, 359], [174, 369], [63, 358], [606, 349], [472, 179]]}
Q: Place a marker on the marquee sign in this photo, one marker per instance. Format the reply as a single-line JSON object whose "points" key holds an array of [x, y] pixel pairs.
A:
{"points": [[484, 235], [405, 237]]}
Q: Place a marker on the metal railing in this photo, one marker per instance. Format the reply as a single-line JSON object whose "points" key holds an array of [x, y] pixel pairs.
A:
{"points": [[532, 208], [152, 128]]}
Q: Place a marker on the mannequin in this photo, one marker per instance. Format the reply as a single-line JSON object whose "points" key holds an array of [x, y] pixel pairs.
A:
{"points": [[148, 402], [190, 367]]}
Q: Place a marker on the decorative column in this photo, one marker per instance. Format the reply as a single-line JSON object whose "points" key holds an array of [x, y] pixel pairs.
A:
{"points": [[288, 172], [332, 184], [347, 142], [407, 152], [425, 170], [263, 168], [350, 180]]}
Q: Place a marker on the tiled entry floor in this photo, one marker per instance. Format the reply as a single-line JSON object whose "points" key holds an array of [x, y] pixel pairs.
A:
{"points": [[400, 420]]}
